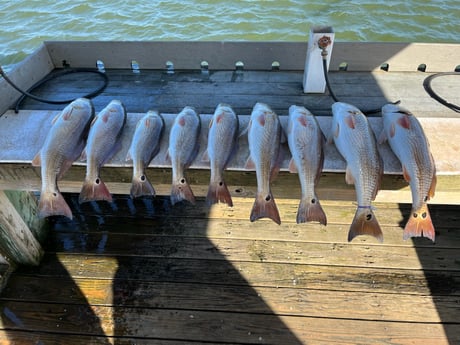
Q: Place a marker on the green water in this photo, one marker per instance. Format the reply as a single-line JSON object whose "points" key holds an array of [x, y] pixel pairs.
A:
{"points": [[25, 24]]}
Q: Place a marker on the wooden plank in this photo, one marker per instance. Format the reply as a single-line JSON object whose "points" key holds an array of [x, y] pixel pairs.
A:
{"points": [[242, 89], [360, 56], [26, 338], [350, 255], [254, 273], [16, 240], [291, 300], [170, 225], [217, 326]]}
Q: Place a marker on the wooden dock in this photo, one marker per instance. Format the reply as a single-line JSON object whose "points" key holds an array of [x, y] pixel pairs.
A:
{"points": [[144, 272]]}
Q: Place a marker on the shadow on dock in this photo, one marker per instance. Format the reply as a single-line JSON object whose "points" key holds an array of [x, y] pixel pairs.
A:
{"points": [[132, 272], [440, 262]]}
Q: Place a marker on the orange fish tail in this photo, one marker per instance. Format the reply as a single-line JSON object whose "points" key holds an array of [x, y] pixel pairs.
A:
{"points": [[365, 223], [53, 204], [218, 192], [141, 186], [94, 190], [311, 212], [265, 207], [181, 191], [419, 224]]}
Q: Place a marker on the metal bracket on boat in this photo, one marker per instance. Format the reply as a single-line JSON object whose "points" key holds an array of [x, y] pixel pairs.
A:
{"points": [[319, 47]]}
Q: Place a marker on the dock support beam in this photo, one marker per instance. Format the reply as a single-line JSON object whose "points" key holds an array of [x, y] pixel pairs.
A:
{"points": [[17, 241]]}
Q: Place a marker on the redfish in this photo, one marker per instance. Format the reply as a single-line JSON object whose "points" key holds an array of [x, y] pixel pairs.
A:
{"points": [[103, 142], [264, 136], [145, 144], [223, 132], [182, 150], [63, 145], [305, 141], [356, 142], [409, 143]]}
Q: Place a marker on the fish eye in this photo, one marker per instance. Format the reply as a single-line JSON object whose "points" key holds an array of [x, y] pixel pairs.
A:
{"points": [[368, 217], [267, 198], [143, 178], [182, 180], [97, 181]]}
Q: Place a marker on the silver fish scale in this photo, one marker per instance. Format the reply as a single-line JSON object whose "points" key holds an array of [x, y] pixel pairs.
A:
{"points": [[183, 140], [264, 147], [103, 137], [221, 141], [145, 142], [358, 147], [307, 152]]}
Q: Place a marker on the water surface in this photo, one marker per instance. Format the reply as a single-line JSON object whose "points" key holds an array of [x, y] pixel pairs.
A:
{"points": [[25, 24]]}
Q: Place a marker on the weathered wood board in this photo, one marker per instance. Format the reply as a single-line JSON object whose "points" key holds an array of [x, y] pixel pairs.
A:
{"points": [[141, 269]]}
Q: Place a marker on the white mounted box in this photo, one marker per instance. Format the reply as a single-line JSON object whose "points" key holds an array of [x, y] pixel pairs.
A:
{"points": [[313, 76]]}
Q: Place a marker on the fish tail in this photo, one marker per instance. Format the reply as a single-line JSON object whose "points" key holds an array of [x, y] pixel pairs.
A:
{"points": [[265, 207], [365, 223], [53, 204], [141, 186], [93, 190], [311, 212], [218, 192], [180, 191], [419, 224]]}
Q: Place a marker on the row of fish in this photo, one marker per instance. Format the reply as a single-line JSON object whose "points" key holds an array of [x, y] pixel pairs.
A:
{"points": [[77, 132]]}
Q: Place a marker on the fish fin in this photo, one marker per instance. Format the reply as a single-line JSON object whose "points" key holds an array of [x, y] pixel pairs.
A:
{"points": [[66, 164], [205, 157], [336, 131], [141, 186], [349, 179], [310, 210], [365, 223], [94, 190], [245, 130], [292, 166], [167, 157], [250, 165], [83, 156], [404, 122], [53, 204], [419, 224], [265, 207], [129, 156], [406, 174], [180, 190], [392, 130], [350, 121], [432, 187], [382, 137], [37, 161], [218, 192], [94, 120]]}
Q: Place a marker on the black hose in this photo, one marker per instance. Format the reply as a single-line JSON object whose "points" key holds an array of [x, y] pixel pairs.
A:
{"points": [[48, 78], [429, 89], [334, 97]]}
